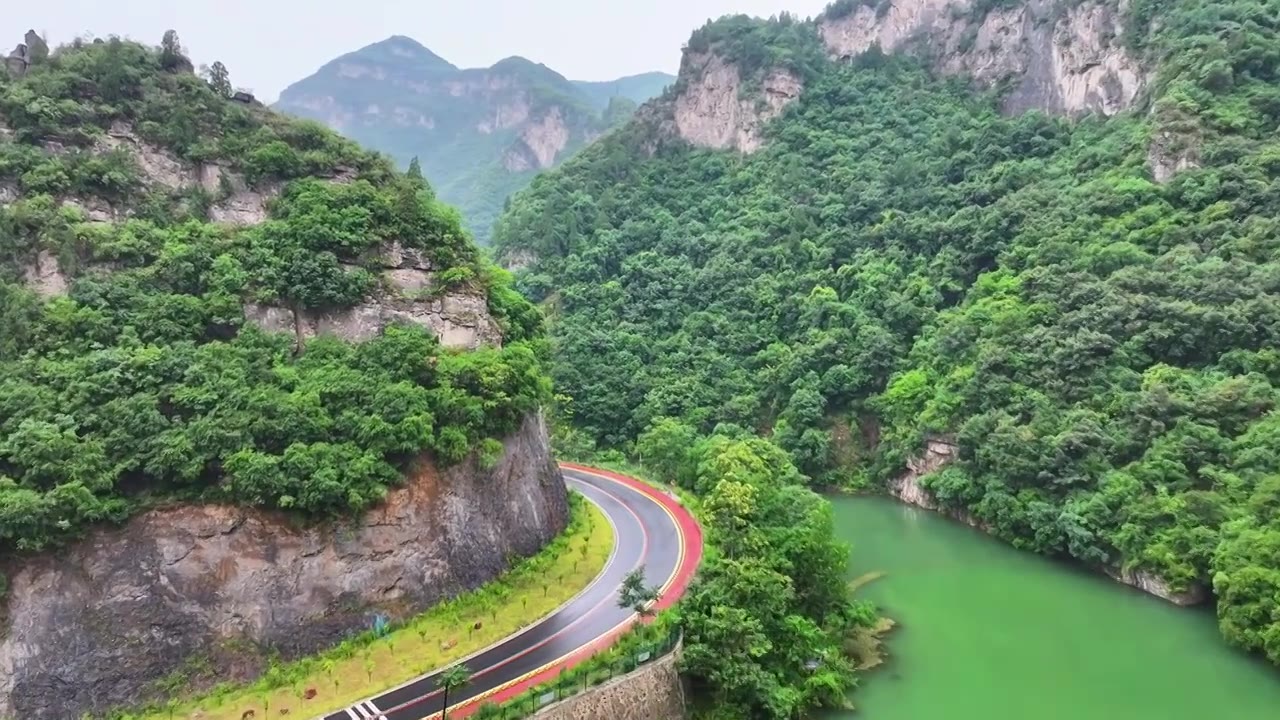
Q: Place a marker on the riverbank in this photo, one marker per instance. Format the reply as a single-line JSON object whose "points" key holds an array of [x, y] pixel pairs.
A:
{"points": [[1002, 634], [374, 662], [908, 490]]}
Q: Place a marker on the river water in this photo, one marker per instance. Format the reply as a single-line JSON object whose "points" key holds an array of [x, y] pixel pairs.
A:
{"points": [[987, 632]]}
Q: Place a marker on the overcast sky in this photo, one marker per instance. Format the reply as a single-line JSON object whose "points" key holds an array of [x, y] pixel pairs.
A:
{"points": [[268, 44]]}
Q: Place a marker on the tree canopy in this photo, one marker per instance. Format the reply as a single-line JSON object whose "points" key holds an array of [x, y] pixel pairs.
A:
{"points": [[766, 618], [901, 261], [143, 382]]}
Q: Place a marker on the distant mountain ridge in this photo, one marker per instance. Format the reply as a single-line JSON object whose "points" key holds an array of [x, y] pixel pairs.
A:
{"points": [[480, 134], [637, 88]]}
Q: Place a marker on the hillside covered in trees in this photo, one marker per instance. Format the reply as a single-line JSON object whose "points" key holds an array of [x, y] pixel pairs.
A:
{"points": [[900, 260], [144, 213]]}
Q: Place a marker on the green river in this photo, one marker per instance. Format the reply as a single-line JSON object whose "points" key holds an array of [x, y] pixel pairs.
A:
{"points": [[987, 632]]}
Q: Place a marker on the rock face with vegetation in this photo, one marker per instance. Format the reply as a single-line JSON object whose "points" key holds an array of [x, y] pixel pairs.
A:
{"points": [[92, 626], [1060, 57], [254, 383], [480, 134], [714, 111], [1083, 295]]}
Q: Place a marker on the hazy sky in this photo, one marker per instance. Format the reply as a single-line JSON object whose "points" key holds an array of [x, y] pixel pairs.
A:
{"points": [[268, 44]]}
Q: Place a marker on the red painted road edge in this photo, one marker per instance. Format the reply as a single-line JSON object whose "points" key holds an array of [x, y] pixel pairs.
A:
{"points": [[692, 534]]}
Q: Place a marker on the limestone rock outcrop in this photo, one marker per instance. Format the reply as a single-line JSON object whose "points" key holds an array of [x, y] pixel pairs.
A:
{"points": [[540, 144], [159, 167], [94, 209], [408, 292], [89, 627], [1171, 152], [714, 111], [938, 453], [1153, 585], [44, 276], [459, 319], [1063, 61], [236, 203], [32, 49]]}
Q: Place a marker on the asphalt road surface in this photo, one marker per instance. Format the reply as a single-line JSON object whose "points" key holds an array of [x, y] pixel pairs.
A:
{"points": [[651, 529]]}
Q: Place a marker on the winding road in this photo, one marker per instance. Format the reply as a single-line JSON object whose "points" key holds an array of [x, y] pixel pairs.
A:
{"points": [[650, 529]]}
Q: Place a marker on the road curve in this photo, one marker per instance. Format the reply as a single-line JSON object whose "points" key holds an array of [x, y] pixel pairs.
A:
{"points": [[651, 529]]}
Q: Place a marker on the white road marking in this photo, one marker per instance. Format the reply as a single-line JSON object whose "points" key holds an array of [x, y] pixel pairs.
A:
{"points": [[352, 714]]}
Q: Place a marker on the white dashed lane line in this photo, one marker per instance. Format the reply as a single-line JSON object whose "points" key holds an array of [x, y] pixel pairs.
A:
{"points": [[365, 711]]}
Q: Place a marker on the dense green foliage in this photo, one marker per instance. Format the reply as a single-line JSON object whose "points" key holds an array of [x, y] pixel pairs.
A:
{"points": [[765, 620], [900, 261], [756, 47], [464, 126], [144, 382]]}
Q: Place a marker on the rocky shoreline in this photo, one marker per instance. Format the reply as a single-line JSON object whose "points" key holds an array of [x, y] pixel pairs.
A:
{"points": [[940, 452]]}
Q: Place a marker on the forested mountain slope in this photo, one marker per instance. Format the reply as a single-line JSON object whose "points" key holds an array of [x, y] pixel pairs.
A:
{"points": [[634, 88], [480, 134], [1044, 231], [151, 229]]}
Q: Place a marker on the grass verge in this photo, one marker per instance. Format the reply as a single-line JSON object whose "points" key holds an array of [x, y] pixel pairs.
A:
{"points": [[374, 662]]}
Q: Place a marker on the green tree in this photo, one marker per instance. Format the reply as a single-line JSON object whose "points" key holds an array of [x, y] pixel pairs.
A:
{"points": [[667, 446], [150, 381], [901, 264], [635, 594], [453, 678], [219, 79], [172, 56]]}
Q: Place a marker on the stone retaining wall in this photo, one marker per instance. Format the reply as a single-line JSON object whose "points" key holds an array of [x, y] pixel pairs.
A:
{"points": [[651, 692]]}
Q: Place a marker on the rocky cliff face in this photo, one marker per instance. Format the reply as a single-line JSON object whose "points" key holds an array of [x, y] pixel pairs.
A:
{"points": [[44, 276], [714, 111], [1068, 62], [235, 201], [940, 452], [1060, 60], [540, 144], [89, 627], [1175, 142], [1152, 585], [409, 294]]}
